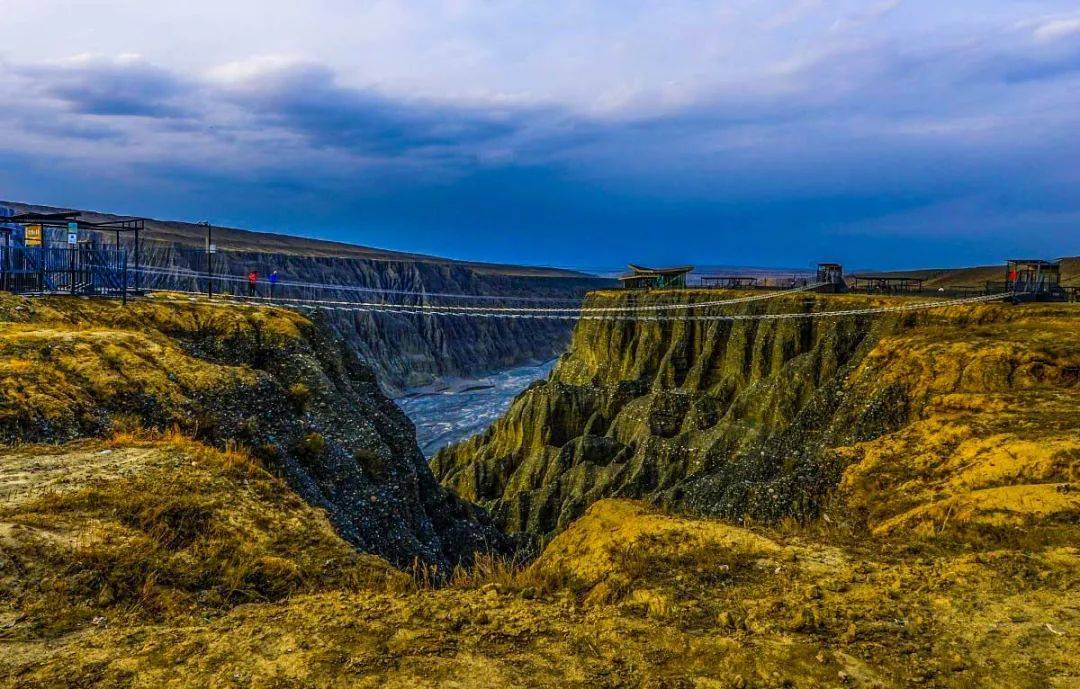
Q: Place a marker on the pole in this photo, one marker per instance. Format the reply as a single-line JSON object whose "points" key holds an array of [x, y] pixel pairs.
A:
{"points": [[6, 268], [209, 262], [123, 284], [138, 285]]}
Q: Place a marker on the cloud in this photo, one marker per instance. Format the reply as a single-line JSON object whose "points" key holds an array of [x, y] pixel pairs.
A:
{"points": [[1057, 29], [676, 122], [306, 99], [866, 15], [121, 86]]}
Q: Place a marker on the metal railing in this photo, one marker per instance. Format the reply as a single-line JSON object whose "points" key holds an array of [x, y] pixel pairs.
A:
{"points": [[84, 269]]}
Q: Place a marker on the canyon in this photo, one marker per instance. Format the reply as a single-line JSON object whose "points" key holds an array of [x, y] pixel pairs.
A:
{"points": [[761, 420], [203, 494]]}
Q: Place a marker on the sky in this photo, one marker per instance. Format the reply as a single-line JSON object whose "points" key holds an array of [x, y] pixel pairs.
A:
{"points": [[880, 133]]}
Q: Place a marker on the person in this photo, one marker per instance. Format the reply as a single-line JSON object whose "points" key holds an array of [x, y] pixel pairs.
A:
{"points": [[273, 281], [253, 277]]}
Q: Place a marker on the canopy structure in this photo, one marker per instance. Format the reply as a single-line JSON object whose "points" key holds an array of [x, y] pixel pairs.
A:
{"points": [[641, 277], [887, 284], [729, 281], [41, 250]]}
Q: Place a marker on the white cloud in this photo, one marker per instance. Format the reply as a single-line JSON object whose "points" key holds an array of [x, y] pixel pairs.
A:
{"points": [[1057, 29]]}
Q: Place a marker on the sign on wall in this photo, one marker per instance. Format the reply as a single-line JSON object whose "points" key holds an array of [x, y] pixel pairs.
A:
{"points": [[33, 235]]}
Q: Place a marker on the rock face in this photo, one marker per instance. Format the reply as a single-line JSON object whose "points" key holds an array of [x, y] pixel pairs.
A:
{"points": [[734, 419], [403, 350], [406, 350], [268, 379]]}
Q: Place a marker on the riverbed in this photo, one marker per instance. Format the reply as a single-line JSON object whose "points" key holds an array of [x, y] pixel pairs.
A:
{"points": [[455, 409]]}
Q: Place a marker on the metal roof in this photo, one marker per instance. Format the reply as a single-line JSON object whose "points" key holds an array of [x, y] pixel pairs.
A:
{"points": [[642, 270], [1035, 261]]}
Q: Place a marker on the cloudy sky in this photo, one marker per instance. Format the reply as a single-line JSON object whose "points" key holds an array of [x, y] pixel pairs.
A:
{"points": [[881, 133]]}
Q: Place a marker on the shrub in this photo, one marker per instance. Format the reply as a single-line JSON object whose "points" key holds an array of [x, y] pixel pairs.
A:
{"points": [[372, 464], [311, 448], [300, 395]]}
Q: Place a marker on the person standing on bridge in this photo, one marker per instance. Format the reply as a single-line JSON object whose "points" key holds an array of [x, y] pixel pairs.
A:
{"points": [[253, 277], [273, 281]]}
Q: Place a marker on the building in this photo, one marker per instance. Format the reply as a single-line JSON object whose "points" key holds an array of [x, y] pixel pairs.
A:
{"points": [[42, 253], [831, 277], [641, 277], [1034, 279]]}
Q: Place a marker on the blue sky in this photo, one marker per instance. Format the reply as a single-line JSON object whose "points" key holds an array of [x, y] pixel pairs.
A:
{"points": [[882, 134]]}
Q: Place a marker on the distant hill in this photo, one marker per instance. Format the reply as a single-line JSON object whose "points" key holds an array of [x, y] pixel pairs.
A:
{"points": [[235, 239], [977, 276]]}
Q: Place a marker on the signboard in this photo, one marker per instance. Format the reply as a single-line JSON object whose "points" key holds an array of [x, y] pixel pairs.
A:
{"points": [[73, 237], [212, 248], [33, 235]]}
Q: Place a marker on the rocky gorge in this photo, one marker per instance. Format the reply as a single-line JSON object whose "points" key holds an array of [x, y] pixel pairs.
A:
{"points": [[759, 420], [203, 494], [270, 381]]}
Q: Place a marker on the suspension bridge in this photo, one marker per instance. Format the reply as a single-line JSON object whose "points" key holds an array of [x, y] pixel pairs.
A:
{"points": [[60, 253]]}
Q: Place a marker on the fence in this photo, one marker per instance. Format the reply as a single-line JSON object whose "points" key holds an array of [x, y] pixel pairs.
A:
{"points": [[83, 269]]}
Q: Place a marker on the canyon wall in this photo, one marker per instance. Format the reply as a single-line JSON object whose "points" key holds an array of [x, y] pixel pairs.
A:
{"points": [[268, 381], [756, 419], [404, 350]]}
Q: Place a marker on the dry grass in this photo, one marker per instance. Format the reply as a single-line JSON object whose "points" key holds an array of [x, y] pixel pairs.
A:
{"points": [[665, 602], [180, 530], [69, 366]]}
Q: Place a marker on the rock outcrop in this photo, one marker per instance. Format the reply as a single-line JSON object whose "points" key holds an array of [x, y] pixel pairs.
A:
{"points": [[407, 350], [753, 419], [267, 379]]}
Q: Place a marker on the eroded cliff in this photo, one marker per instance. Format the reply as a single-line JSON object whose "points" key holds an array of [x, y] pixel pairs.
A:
{"points": [[760, 419], [404, 350], [265, 379]]}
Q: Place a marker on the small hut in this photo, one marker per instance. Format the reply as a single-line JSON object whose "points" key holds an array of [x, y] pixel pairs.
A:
{"points": [[641, 277]]}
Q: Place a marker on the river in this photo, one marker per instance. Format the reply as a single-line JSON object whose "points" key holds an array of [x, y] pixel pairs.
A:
{"points": [[456, 409]]}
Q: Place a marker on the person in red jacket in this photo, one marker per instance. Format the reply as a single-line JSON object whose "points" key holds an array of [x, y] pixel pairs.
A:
{"points": [[253, 277]]}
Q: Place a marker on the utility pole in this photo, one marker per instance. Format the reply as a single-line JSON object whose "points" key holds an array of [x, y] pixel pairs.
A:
{"points": [[209, 262]]}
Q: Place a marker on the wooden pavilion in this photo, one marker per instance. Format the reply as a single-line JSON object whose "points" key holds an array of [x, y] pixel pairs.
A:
{"points": [[641, 277]]}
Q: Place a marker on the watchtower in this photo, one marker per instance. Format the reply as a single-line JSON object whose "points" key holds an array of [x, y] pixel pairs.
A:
{"points": [[830, 277], [1034, 279]]}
